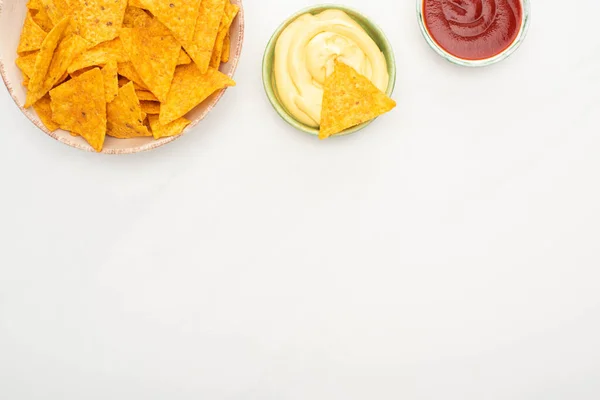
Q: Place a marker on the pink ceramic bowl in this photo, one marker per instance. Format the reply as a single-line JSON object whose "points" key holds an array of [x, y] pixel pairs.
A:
{"points": [[12, 14]]}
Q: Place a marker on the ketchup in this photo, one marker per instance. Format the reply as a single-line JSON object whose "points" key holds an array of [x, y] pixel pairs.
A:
{"points": [[473, 29]]}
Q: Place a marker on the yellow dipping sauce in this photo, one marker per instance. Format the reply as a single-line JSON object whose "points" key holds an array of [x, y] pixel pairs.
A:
{"points": [[305, 54]]}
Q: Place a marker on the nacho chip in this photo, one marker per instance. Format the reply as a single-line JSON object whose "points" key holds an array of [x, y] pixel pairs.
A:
{"points": [[157, 28], [27, 64], [189, 88], [172, 129], [178, 15], [35, 5], [32, 35], [154, 58], [136, 18], [80, 107], [183, 58], [226, 49], [128, 71], [350, 99], [111, 80], [200, 47], [42, 62], [100, 55], [98, 21], [44, 112], [145, 95], [56, 9], [43, 20], [230, 13], [150, 107], [124, 115]]}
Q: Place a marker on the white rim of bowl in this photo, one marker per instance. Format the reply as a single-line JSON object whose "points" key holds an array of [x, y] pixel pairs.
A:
{"points": [[476, 63]]}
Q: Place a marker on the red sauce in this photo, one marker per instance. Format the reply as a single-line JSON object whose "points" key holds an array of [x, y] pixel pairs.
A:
{"points": [[473, 29]]}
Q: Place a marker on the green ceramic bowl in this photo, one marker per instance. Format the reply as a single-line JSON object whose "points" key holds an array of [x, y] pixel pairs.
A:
{"points": [[269, 80]]}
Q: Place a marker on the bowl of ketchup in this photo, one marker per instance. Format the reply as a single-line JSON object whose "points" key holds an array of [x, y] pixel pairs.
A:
{"points": [[474, 33]]}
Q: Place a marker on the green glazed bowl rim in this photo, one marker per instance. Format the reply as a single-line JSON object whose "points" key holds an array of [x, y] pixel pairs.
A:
{"points": [[370, 27]]}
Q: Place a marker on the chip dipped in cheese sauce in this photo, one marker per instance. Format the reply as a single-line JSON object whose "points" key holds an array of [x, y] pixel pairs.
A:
{"points": [[305, 55]]}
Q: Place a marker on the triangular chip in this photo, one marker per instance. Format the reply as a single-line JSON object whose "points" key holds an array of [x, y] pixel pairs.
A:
{"points": [[171, 129], [111, 80], [100, 55], [80, 107], [190, 87], [154, 58], [65, 53], [56, 9], [44, 112], [127, 70], [200, 46], [43, 20], [32, 35], [230, 13], [35, 5], [43, 60], [150, 107], [136, 18], [145, 95], [350, 99], [98, 21], [178, 15], [124, 115], [27, 64]]}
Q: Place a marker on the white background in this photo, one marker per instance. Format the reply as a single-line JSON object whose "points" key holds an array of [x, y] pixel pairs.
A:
{"points": [[449, 251]]}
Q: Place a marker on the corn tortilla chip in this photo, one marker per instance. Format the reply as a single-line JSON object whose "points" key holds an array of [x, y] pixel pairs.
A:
{"points": [[32, 35], [98, 21], [44, 112], [178, 15], [27, 64], [111, 80], [136, 18], [35, 5], [79, 106], [200, 47], [189, 88], [42, 62], [56, 9], [43, 20], [100, 55], [226, 49], [350, 99], [171, 129], [154, 58], [125, 118], [150, 107], [128, 71], [145, 95], [230, 13]]}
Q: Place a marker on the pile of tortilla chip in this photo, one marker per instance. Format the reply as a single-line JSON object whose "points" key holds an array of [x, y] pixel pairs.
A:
{"points": [[350, 99], [123, 68]]}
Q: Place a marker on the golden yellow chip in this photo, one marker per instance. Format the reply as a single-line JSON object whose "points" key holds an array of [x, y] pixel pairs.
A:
{"points": [[32, 35], [200, 47], [100, 55], [35, 5], [124, 115], [79, 106], [136, 18], [350, 99], [44, 112], [56, 9], [127, 70], [43, 20], [150, 107], [145, 95], [136, 4], [27, 64], [171, 129], [230, 13], [178, 15], [111, 80], [190, 87], [183, 58], [154, 58], [98, 21], [42, 62], [226, 49]]}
